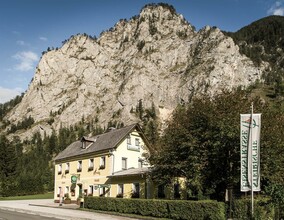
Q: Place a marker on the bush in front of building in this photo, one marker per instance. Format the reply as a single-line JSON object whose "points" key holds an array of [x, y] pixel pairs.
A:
{"points": [[174, 209], [263, 209]]}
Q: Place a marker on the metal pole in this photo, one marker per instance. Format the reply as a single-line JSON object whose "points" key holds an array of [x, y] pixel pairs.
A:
{"points": [[251, 123]]}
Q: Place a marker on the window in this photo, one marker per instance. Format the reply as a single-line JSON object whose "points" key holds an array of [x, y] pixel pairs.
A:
{"points": [[67, 168], [176, 191], [59, 169], [79, 166], [137, 142], [134, 147], [102, 191], [120, 191], [59, 192], [140, 163], [161, 192], [135, 190], [91, 164], [128, 139], [124, 163], [66, 191], [102, 163], [91, 190]]}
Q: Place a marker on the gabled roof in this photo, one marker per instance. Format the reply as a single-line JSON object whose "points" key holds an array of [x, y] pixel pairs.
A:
{"points": [[99, 143]]}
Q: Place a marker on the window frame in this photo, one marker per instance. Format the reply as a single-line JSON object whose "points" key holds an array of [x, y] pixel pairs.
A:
{"points": [[91, 164], [102, 163], [59, 171], [79, 166], [124, 163], [67, 167]]}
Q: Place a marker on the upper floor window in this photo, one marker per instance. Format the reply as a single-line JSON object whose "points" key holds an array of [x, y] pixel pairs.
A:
{"points": [[102, 163], [59, 169], [67, 168], [140, 163], [128, 139], [136, 141], [91, 164], [79, 166], [124, 163], [135, 146]]}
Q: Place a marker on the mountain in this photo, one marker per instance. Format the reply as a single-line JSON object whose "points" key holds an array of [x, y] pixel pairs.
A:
{"points": [[263, 41], [154, 60]]}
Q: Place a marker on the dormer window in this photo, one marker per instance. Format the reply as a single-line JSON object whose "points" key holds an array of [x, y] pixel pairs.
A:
{"points": [[83, 144]]}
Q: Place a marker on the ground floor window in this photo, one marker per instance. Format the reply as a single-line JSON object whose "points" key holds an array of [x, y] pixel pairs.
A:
{"points": [[176, 191], [135, 190], [120, 191], [161, 192], [102, 191], [91, 190], [59, 191], [66, 191]]}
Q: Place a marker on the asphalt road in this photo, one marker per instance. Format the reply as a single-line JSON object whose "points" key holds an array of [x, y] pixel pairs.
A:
{"points": [[46, 209], [12, 215]]}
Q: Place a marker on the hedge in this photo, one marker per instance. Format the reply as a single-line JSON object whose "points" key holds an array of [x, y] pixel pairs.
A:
{"points": [[173, 209], [263, 209]]}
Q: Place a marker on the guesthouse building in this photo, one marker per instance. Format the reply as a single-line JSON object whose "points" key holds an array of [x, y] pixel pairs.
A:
{"points": [[112, 164]]}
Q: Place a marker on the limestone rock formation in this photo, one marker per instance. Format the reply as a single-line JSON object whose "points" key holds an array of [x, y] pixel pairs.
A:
{"points": [[156, 57]]}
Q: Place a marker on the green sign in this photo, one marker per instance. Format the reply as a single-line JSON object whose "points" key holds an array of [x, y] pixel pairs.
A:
{"points": [[73, 179]]}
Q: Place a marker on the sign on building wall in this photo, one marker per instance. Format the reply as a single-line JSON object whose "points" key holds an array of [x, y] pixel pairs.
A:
{"points": [[250, 152]]}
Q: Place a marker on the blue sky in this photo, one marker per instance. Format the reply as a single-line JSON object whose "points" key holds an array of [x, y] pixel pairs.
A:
{"points": [[29, 27]]}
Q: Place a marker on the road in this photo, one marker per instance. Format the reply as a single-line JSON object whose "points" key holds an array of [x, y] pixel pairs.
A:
{"points": [[46, 208], [12, 215]]}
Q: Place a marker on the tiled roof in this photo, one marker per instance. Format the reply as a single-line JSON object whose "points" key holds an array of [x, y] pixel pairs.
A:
{"points": [[131, 172], [102, 142]]}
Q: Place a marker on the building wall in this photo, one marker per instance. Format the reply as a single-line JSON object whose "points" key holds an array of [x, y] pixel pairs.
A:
{"points": [[86, 178], [130, 152], [95, 181]]}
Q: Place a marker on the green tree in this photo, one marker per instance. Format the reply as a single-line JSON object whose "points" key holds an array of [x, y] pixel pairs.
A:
{"points": [[7, 167], [201, 143]]}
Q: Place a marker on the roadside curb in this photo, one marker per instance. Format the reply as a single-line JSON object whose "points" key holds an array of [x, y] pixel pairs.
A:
{"points": [[74, 207]]}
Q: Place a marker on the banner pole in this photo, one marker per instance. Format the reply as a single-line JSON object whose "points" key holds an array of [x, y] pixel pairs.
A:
{"points": [[251, 123]]}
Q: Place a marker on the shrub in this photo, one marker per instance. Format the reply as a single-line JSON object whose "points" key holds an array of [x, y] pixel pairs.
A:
{"points": [[263, 209], [173, 209]]}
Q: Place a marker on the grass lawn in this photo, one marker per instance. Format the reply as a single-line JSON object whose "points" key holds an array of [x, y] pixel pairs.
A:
{"points": [[38, 196]]}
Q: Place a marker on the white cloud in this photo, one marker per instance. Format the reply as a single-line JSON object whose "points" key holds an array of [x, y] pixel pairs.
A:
{"points": [[7, 94], [26, 60], [277, 8], [43, 38]]}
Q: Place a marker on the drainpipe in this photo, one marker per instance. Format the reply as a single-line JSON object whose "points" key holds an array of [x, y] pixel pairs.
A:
{"points": [[111, 153]]}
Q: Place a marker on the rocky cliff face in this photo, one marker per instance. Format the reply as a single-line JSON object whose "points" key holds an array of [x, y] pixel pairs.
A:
{"points": [[156, 57]]}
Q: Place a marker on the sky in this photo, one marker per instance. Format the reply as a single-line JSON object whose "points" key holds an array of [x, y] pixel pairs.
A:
{"points": [[29, 27]]}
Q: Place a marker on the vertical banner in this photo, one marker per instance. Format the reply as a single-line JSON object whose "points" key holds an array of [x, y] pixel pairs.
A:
{"points": [[250, 152]]}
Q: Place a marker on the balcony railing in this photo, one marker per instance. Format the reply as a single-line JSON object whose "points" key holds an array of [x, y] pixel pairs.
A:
{"points": [[133, 147]]}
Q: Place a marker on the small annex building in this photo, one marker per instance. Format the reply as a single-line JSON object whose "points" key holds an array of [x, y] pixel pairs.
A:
{"points": [[112, 164]]}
